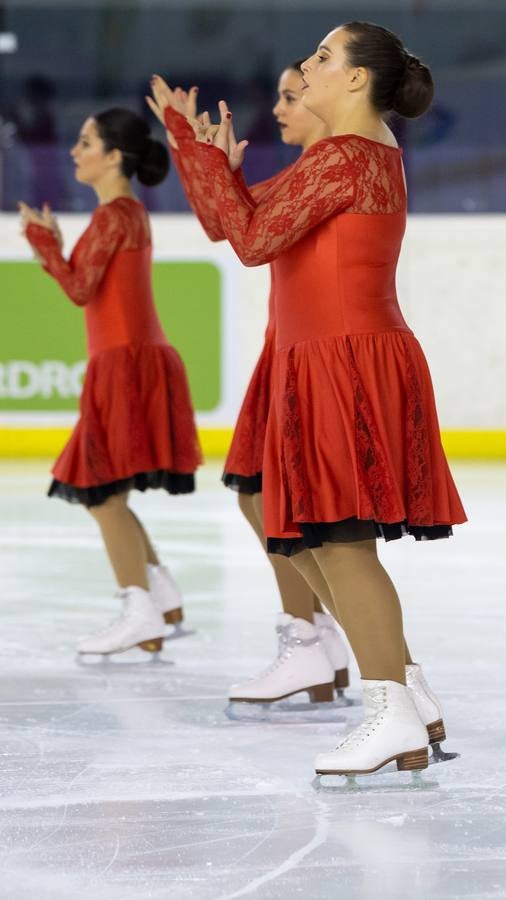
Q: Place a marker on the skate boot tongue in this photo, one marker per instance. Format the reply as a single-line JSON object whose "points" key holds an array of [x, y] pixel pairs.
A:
{"points": [[374, 698]]}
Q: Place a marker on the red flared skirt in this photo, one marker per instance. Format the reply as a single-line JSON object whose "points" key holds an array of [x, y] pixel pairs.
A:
{"points": [[353, 443], [136, 427], [244, 463]]}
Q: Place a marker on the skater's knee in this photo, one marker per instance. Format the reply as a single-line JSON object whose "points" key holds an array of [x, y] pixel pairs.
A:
{"points": [[334, 555], [113, 506], [248, 507]]}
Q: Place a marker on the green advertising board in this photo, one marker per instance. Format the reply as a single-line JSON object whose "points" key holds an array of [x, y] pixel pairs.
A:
{"points": [[42, 345]]}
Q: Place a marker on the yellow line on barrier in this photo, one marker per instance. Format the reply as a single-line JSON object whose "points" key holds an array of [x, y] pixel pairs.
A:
{"points": [[471, 444], [48, 442]]}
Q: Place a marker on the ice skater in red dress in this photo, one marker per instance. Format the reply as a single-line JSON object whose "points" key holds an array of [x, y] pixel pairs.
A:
{"points": [[353, 449], [318, 654], [136, 427]]}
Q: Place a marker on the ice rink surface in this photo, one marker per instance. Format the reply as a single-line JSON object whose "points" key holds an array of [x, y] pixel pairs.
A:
{"points": [[128, 781]]}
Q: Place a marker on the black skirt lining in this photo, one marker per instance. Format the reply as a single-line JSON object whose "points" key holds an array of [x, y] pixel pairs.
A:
{"points": [[243, 484], [173, 482], [315, 534]]}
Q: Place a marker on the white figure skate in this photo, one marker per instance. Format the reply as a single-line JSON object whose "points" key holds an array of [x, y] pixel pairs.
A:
{"points": [[140, 624], [430, 712], [392, 731], [302, 665], [335, 649], [168, 599]]}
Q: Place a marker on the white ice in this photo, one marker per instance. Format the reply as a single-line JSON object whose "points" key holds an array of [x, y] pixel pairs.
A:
{"points": [[128, 781]]}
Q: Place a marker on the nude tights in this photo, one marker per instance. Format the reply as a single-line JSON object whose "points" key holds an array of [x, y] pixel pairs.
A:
{"points": [[297, 597], [128, 546], [352, 583]]}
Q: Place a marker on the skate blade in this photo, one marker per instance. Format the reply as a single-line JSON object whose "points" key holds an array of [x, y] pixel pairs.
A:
{"points": [[178, 631], [441, 756], [110, 661], [295, 712], [386, 779]]}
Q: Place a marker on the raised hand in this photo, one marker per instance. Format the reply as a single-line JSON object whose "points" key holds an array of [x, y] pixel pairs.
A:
{"points": [[51, 221], [185, 102], [227, 140], [223, 136], [32, 216]]}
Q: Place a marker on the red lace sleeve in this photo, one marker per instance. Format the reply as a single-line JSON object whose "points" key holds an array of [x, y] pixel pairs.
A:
{"points": [[80, 277], [258, 190], [193, 177], [320, 184]]}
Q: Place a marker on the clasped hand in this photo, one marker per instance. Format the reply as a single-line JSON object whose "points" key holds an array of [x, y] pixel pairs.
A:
{"points": [[185, 102], [44, 217]]}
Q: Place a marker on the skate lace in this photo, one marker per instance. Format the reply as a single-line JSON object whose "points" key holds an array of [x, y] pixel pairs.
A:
{"points": [[376, 697], [287, 641]]}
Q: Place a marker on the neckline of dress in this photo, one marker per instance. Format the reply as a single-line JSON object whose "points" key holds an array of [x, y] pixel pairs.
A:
{"points": [[363, 138], [121, 197]]}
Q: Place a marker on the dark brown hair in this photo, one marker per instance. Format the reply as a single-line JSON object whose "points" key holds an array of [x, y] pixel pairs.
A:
{"points": [[141, 154], [400, 82]]}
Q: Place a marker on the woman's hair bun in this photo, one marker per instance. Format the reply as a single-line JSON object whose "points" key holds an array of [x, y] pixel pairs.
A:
{"points": [[153, 164], [399, 82], [415, 90], [142, 155]]}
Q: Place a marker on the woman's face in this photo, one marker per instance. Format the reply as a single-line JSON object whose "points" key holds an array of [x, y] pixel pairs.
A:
{"points": [[91, 160], [327, 77], [294, 119]]}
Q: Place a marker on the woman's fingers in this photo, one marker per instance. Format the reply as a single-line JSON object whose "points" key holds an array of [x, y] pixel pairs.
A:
{"points": [[33, 216], [47, 216], [162, 93], [235, 151], [221, 138], [236, 157], [225, 114], [155, 109], [191, 103]]}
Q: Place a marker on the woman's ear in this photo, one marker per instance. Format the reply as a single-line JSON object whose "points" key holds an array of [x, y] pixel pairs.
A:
{"points": [[115, 158], [359, 79]]}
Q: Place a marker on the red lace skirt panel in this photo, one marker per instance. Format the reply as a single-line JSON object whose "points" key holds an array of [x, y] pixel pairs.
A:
{"points": [[136, 417], [354, 433], [245, 457]]}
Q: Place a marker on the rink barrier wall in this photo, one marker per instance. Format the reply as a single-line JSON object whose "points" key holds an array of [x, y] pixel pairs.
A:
{"points": [[48, 442]]}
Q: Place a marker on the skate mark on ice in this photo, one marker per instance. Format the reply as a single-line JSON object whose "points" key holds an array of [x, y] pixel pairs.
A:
{"points": [[292, 861], [112, 860], [113, 700], [63, 819]]}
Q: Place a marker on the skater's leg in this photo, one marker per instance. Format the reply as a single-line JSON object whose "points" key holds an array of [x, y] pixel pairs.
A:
{"points": [[296, 597], [150, 550], [307, 565], [123, 541], [308, 568], [368, 607]]}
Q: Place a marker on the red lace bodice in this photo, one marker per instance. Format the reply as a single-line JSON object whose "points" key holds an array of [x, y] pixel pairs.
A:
{"points": [[120, 225], [336, 175], [109, 272]]}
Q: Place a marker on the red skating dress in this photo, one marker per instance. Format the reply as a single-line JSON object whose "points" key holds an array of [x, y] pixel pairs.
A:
{"points": [[136, 427], [353, 448], [243, 465]]}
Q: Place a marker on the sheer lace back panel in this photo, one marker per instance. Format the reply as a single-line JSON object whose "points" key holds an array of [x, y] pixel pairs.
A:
{"points": [[380, 187]]}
